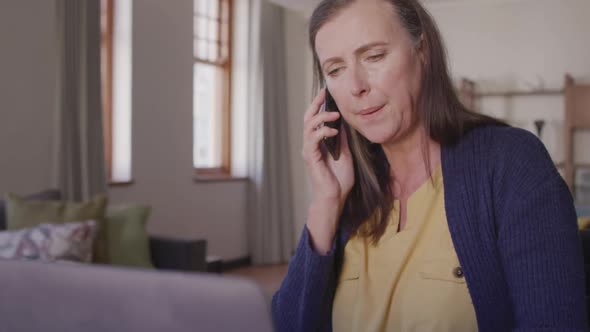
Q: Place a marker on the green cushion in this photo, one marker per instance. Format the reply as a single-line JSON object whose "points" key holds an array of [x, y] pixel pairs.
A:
{"points": [[128, 242], [21, 213]]}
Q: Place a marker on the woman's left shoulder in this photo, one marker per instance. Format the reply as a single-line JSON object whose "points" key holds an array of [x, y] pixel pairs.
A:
{"points": [[519, 155], [510, 143], [505, 137], [507, 150]]}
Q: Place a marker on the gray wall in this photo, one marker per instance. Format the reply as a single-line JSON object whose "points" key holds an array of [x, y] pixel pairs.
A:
{"points": [[162, 121], [162, 137], [27, 76]]}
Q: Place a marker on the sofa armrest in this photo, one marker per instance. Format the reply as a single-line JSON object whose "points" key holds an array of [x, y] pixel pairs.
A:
{"points": [[177, 254]]}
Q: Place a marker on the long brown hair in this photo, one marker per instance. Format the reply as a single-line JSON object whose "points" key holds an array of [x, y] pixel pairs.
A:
{"points": [[444, 118]]}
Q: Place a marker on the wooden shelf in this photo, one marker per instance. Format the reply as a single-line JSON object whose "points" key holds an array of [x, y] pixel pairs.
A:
{"points": [[520, 93], [577, 165]]}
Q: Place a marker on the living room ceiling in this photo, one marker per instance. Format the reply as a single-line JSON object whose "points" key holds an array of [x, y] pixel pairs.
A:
{"points": [[306, 6]]}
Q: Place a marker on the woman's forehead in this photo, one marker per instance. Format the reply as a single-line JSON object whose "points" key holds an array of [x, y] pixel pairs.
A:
{"points": [[358, 24]]}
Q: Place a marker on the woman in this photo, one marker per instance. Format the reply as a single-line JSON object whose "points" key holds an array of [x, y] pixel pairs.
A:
{"points": [[434, 218]]}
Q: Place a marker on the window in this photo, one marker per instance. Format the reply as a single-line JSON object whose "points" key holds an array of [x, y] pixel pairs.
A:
{"points": [[116, 88], [211, 96]]}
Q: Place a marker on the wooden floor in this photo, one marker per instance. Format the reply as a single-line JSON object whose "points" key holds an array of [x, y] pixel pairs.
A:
{"points": [[269, 277]]}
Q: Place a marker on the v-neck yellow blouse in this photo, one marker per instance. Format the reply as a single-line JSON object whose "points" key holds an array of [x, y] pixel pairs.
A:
{"points": [[411, 280]]}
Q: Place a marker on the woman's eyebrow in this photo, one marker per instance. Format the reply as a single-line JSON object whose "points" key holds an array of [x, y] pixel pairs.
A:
{"points": [[368, 46], [358, 51]]}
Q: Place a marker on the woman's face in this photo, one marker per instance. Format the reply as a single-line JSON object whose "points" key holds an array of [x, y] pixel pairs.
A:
{"points": [[371, 69]]}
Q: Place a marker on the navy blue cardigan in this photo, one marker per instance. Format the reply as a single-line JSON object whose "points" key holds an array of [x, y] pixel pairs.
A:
{"points": [[513, 224]]}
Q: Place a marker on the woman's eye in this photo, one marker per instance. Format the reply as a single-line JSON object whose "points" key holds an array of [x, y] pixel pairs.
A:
{"points": [[333, 72], [375, 57]]}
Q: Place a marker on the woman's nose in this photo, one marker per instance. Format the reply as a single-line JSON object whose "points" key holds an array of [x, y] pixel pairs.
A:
{"points": [[359, 84]]}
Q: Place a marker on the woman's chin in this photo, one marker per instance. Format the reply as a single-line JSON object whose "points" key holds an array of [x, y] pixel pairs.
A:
{"points": [[379, 138], [381, 133]]}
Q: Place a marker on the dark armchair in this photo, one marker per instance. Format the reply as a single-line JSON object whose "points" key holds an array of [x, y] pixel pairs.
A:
{"points": [[176, 254]]}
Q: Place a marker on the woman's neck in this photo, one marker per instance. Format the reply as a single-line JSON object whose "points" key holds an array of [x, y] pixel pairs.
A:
{"points": [[407, 161]]}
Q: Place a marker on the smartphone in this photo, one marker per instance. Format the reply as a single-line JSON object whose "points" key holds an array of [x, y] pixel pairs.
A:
{"points": [[332, 144]]}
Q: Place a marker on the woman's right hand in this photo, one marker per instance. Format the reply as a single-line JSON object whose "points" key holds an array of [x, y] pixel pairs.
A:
{"points": [[331, 179]]}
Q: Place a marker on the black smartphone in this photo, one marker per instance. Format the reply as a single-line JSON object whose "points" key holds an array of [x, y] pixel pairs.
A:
{"points": [[332, 144]]}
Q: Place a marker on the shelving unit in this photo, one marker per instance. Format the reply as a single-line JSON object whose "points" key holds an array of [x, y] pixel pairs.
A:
{"points": [[577, 113]]}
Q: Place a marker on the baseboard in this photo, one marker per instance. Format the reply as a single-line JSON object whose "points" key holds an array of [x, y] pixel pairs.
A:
{"points": [[237, 263], [219, 266]]}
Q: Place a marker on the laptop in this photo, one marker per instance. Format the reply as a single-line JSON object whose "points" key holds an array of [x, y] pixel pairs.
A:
{"points": [[72, 297]]}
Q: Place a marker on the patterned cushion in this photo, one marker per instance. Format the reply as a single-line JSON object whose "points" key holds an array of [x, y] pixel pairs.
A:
{"points": [[71, 241], [22, 213]]}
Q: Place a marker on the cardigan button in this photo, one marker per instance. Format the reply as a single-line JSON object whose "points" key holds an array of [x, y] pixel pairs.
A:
{"points": [[458, 272]]}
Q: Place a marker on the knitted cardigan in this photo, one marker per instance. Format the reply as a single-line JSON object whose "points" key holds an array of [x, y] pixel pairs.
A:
{"points": [[513, 226]]}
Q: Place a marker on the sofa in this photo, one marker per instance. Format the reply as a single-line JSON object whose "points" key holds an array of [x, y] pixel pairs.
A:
{"points": [[77, 297], [166, 253]]}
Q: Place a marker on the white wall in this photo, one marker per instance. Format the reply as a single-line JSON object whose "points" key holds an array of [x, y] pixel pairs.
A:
{"points": [[162, 137], [27, 78], [520, 44]]}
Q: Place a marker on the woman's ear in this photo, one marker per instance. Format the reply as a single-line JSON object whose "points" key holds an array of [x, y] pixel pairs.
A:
{"points": [[421, 49]]}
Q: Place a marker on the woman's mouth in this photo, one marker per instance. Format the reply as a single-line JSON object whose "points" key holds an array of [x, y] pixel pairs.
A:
{"points": [[371, 111]]}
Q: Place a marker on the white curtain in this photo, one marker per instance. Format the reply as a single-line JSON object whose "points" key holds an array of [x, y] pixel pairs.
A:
{"points": [[80, 163], [271, 224]]}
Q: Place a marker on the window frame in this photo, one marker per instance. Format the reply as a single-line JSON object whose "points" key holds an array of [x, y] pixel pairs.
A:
{"points": [[224, 171], [107, 57], [106, 52]]}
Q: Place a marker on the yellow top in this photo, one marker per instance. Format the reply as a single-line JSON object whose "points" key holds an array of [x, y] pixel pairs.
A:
{"points": [[411, 280]]}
